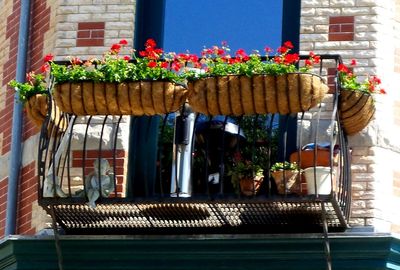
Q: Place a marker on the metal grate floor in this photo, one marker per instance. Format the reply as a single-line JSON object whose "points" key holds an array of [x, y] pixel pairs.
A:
{"points": [[194, 217]]}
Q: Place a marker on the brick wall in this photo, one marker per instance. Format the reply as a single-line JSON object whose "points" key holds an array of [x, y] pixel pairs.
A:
{"points": [[3, 204], [27, 195], [363, 30]]}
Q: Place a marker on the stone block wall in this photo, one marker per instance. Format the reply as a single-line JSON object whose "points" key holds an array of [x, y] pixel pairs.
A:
{"points": [[86, 28], [365, 30]]}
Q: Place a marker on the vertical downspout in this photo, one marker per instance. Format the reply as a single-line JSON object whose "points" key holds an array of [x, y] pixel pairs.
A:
{"points": [[16, 139]]}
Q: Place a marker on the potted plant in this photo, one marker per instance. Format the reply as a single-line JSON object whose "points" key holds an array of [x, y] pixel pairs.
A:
{"points": [[320, 180], [243, 84], [287, 177], [146, 84], [356, 106], [34, 95], [247, 177]]}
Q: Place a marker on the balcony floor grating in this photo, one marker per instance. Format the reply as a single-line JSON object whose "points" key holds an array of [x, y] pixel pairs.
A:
{"points": [[265, 217]]}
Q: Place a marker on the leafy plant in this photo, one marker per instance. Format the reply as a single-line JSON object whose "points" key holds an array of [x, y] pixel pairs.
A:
{"points": [[348, 80], [35, 84], [150, 64], [244, 169], [217, 61], [281, 166]]}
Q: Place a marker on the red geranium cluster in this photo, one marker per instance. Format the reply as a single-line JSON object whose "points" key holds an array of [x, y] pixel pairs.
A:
{"points": [[349, 80]]}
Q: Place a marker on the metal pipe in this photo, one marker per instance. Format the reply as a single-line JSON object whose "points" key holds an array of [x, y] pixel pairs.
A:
{"points": [[16, 139]]}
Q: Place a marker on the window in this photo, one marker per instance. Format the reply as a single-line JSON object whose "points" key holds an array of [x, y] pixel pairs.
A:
{"points": [[178, 25]]}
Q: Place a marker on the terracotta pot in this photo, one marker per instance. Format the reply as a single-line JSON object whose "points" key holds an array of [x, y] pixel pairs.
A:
{"points": [[259, 94], [356, 110], [132, 98], [305, 158], [249, 186], [292, 180]]}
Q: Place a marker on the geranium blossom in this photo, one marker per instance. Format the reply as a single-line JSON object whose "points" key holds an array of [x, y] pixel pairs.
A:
{"points": [[348, 80]]}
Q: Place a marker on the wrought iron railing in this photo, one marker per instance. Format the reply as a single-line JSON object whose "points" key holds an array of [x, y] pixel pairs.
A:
{"points": [[87, 179]]}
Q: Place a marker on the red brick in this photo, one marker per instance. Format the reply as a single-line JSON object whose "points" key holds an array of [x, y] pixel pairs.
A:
{"points": [[83, 34], [95, 153], [97, 34], [89, 42], [341, 37], [90, 25], [341, 19], [334, 28], [25, 228], [347, 28]]}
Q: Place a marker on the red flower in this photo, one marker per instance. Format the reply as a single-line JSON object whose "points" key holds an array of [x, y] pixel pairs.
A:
{"points": [[268, 49], [164, 64], [382, 91], [115, 48], [150, 43], [353, 62], [288, 44], [48, 57], [291, 58], [278, 59], [152, 64], [193, 58], [76, 61], [143, 53], [282, 50], [183, 57], [343, 68], [123, 42], [30, 76], [317, 59], [220, 51], [45, 68], [176, 66], [308, 62], [127, 57]]}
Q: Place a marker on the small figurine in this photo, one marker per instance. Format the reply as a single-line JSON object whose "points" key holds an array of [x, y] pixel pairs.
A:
{"points": [[101, 179]]}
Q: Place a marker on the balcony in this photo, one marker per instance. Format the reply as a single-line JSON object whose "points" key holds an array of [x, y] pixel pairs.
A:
{"points": [[173, 173]]}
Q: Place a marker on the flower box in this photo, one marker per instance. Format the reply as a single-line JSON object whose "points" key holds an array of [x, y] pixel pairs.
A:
{"points": [[130, 98], [258, 94], [36, 109], [356, 110]]}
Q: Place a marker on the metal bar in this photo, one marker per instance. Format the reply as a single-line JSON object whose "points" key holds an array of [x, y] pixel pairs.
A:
{"points": [[56, 239], [114, 156], [85, 187], [327, 247]]}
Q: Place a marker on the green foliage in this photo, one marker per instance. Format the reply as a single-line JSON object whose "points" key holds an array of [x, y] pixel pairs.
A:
{"points": [[349, 81], [115, 68], [280, 166], [35, 84], [217, 61]]}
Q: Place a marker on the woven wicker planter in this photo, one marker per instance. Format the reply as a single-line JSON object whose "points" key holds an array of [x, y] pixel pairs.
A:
{"points": [[356, 110], [133, 98], [37, 108], [259, 94]]}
